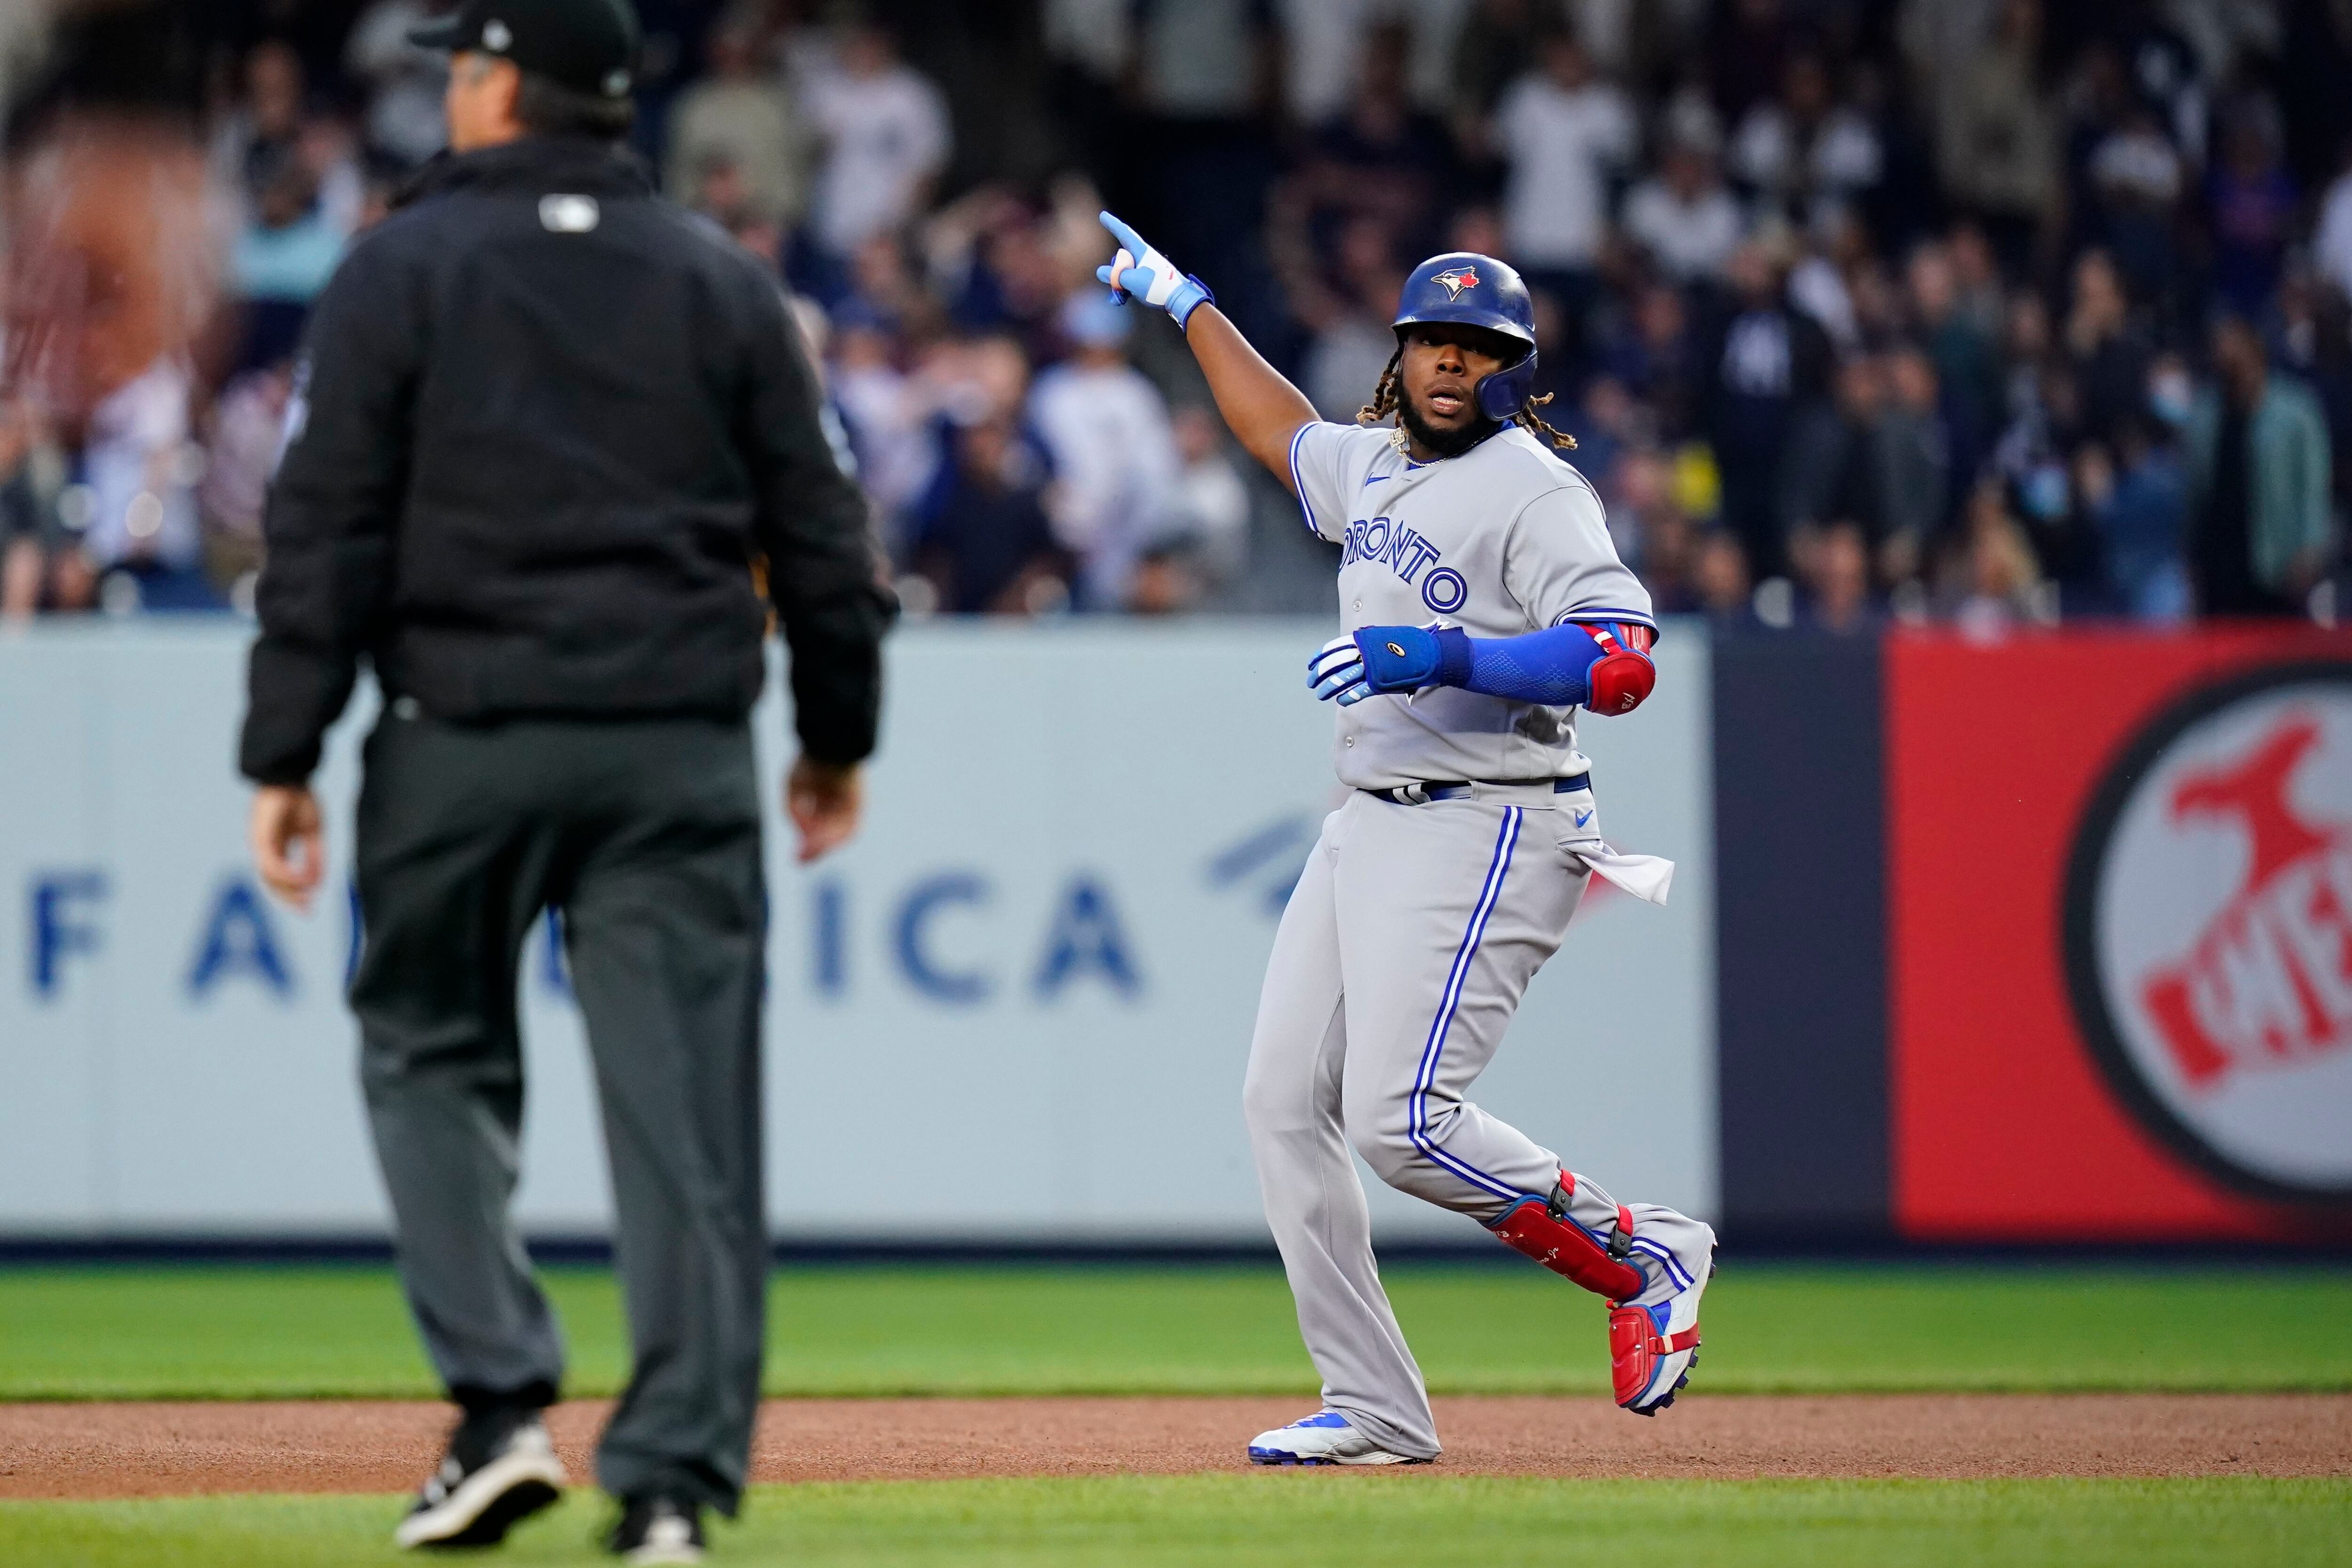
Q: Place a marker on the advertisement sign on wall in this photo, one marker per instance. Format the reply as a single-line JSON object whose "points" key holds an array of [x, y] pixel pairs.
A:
{"points": [[1016, 1009], [2208, 929], [2120, 959]]}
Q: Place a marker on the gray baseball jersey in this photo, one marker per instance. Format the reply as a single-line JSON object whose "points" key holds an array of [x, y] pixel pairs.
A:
{"points": [[1416, 928], [1504, 539]]}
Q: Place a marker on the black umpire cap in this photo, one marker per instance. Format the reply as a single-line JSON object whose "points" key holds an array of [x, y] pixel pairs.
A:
{"points": [[588, 45]]}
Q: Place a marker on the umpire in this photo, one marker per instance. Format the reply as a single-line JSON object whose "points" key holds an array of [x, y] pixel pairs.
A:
{"points": [[546, 430]]}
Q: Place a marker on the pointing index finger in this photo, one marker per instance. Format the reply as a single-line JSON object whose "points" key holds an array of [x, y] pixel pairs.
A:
{"points": [[1125, 236]]}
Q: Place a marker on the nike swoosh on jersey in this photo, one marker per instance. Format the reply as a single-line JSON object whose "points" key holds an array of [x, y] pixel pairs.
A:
{"points": [[1583, 819], [1376, 479]]}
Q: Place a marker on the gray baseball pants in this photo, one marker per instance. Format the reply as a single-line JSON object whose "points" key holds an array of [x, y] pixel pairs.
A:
{"points": [[646, 835], [1406, 946]]}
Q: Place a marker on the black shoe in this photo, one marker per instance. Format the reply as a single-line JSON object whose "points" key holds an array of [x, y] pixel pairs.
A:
{"points": [[499, 1470], [658, 1529]]}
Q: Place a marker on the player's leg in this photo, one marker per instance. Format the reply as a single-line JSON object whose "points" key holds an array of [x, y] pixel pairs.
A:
{"points": [[452, 857], [1314, 1202], [665, 926], [1446, 914]]}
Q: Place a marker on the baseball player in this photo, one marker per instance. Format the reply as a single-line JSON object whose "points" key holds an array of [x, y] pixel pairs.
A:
{"points": [[1484, 604]]}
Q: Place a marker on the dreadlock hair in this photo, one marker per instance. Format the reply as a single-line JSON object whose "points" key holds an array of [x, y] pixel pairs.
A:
{"points": [[1385, 393], [1388, 392], [1534, 424]]}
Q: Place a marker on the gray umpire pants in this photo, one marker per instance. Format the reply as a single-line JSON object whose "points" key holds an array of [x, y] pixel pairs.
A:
{"points": [[1403, 954], [646, 835]]}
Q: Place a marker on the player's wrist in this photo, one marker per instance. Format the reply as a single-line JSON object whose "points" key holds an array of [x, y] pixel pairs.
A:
{"points": [[1189, 296], [1453, 656]]}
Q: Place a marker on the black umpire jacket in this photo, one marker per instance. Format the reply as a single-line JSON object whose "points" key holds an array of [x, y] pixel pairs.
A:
{"points": [[543, 424]]}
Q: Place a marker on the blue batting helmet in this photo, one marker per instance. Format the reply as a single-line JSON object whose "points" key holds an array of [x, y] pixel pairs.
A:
{"points": [[1472, 290]]}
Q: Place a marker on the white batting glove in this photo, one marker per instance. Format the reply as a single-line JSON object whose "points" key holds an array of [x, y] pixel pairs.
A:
{"points": [[1337, 671], [1141, 271]]}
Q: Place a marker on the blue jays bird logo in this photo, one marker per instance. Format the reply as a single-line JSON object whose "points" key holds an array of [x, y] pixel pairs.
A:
{"points": [[1456, 279]]}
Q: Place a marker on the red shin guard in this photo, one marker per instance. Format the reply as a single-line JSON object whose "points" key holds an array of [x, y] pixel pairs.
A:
{"points": [[1539, 1230], [1634, 1347]]}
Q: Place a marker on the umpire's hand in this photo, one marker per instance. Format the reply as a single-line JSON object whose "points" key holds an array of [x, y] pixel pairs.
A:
{"points": [[289, 846], [824, 800]]}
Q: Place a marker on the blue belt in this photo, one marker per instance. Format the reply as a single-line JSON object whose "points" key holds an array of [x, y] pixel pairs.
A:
{"points": [[1401, 797]]}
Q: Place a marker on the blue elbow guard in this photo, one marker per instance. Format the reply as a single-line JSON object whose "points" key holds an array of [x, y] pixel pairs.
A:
{"points": [[1606, 668]]}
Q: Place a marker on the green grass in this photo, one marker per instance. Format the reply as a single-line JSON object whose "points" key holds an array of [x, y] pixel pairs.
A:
{"points": [[1290, 1520], [288, 1332]]}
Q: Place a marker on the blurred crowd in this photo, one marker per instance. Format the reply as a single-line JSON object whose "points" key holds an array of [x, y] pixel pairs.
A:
{"points": [[1966, 309]]}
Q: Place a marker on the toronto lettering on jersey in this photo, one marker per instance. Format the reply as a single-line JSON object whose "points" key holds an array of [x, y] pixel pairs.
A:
{"points": [[1404, 551]]}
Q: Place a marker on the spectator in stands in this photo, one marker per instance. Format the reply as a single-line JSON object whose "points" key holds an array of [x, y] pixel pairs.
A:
{"points": [[1990, 582], [740, 118], [265, 128], [297, 195], [1653, 534], [136, 497], [1005, 266], [1996, 143], [2313, 341], [1807, 156], [1915, 455], [1835, 468], [1720, 575], [2250, 200], [1607, 424], [1346, 299], [2110, 356], [886, 134], [1491, 51], [1763, 361], [1381, 158], [272, 130], [1962, 345], [1200, 543], [1834, 561], [405, 121], [982, 541], [289, 249], [1206, 522], [1106, 428], [38, 566], [2048, 368], [2261, 531], [1748, 54], [243, 434], [2331, 241], [883, 282], [2137, 179], [887, 418], [1565, 133], [1652, 351], [2138, 501], [1976, 289], [1206, 79], [1682, 216]]}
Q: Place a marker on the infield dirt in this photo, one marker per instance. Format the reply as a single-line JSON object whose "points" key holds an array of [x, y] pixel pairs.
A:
{"points": [[106, 1450]]}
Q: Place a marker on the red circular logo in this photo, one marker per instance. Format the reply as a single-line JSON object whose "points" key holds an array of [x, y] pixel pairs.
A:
{"points": [[2208, 930]]}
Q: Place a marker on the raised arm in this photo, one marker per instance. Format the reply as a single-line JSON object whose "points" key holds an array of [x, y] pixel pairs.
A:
{"points": [[1262, 409]]}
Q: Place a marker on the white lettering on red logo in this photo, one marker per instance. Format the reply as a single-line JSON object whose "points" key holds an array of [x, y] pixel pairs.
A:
{"points": [[2209, 930]]}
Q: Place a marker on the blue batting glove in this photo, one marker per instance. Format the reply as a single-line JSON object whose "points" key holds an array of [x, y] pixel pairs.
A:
{"points": [[1378, 660], [1140, 271]]}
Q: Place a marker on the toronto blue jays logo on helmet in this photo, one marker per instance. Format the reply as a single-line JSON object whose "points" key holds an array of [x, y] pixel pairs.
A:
{"points": [[1456, 279]]}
